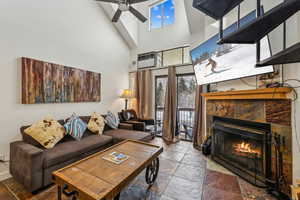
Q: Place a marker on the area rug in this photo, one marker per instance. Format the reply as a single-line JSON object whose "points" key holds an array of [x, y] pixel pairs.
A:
{"points": [[133, 192], [20, 193]]}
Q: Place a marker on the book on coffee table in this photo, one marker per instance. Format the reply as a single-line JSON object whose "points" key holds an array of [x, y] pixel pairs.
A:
{"points": [[116, 157]]}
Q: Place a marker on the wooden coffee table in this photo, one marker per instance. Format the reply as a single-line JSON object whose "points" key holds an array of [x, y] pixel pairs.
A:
{"points": [[95, 178]]}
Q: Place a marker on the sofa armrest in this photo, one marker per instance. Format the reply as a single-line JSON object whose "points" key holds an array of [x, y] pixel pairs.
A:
{"points": [[137, 125], [148, 121], [26, 165], [125, 126]]}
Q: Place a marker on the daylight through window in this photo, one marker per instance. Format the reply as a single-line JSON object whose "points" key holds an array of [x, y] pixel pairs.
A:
{"points": [[162, 14]]}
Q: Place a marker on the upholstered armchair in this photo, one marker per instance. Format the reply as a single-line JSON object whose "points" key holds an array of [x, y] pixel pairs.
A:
{"points": [[130, 117]]}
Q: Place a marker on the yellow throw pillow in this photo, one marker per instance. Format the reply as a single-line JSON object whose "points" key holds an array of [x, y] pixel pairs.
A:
{"points": [[47, 132], [96, 123]]}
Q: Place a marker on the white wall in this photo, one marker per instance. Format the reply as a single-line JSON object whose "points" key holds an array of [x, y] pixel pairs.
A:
{"points": [[73, 33], [127, 25], [131, 23], [290, 71], [195, 18], [170, 36]]}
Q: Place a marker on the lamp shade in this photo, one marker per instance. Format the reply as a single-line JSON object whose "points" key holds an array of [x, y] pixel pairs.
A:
{"points": [[127, 94]]}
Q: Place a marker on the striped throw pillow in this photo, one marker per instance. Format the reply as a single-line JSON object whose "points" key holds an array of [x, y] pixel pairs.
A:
{"points": [[111, 120], [75, 127]]}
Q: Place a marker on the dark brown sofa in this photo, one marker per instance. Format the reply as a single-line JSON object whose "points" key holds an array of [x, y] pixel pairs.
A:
{"points": [[32, 165]]}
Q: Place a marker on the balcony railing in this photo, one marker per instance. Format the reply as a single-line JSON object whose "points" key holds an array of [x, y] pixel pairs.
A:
{"points": [[185, 122]]}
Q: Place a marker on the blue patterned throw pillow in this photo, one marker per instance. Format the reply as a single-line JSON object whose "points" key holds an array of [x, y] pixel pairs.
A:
{"points": [[75, 127], [111, 120]]}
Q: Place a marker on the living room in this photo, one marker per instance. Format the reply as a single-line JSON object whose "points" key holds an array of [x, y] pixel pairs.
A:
{"points": [[190, 99]]}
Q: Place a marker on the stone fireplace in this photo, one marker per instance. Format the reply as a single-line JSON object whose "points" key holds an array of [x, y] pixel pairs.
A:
{"points": [[242, 123], [243, 147]]}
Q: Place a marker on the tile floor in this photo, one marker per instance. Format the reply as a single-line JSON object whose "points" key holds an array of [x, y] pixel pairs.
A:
{"points": [[185, 174]]}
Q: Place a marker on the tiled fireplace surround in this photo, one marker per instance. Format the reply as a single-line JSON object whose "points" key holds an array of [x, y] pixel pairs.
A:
{"points": [[276, 112]]}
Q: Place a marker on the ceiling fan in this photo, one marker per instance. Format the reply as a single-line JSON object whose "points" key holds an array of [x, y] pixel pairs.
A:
{"points": [[125, 5]]}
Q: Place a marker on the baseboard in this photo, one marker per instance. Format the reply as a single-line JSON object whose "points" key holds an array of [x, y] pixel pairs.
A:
{"points": [[4, 175]]}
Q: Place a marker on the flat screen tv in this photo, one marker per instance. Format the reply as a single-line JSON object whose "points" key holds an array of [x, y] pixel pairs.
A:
{"points": [[216, 63]]}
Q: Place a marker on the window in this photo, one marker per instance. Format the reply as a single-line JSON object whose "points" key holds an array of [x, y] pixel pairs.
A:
{"points": [[165, 58], [186, 91], [160, 92], [176, 56], [172, 57], [162, 14]]}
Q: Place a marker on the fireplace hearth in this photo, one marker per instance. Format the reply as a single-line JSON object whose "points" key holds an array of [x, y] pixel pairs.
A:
{"points": [[243, 147]]}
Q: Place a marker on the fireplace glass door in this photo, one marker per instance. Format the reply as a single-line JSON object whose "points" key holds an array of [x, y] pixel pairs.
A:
{"points": [[244, 151], [243, 147]]}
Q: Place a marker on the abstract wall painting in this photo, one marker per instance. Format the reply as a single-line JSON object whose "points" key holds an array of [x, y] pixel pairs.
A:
{"points": [[44, 82]]}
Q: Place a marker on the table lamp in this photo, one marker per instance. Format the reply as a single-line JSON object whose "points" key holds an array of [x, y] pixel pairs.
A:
{"points": [[127, 94]]}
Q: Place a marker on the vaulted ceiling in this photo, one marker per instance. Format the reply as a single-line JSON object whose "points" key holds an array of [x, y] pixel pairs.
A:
{"points": [[195, 18], [128, 26]]}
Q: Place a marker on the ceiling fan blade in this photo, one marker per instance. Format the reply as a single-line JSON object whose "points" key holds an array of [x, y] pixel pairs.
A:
{"points": [[108, 1], [136, 1], [136, 13], [117, 16]]}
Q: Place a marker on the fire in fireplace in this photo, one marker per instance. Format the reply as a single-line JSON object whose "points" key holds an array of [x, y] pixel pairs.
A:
{"points": [[243, 147]]}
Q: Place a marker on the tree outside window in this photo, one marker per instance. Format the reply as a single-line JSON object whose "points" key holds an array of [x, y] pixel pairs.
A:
{"points": [[186, 91]]}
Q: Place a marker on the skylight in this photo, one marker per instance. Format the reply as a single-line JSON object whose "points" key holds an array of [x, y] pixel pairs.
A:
{"points": [[162, 14]]}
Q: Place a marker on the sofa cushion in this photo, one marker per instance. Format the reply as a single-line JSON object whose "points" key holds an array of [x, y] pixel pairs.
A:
{"points": [[28, 139], [86, 119], [129, 114], [75, 127], [70, 149], [126, 115], [96, 123], [122, 134], [111, 120], [48, 132]]}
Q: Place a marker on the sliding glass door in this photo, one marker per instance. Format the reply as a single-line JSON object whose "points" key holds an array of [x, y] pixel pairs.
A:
{"points": [[160, 91], [186, 90], [186, 87]]}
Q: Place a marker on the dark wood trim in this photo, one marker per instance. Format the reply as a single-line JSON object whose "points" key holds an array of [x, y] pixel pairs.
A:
{"points": [[186, 74], [263, 93]]}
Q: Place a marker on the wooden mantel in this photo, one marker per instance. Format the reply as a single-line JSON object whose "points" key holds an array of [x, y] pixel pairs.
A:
{"points": [[264, 93]]}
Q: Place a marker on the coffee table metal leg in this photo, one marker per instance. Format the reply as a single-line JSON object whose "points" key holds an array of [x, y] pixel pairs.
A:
{"points": [[152, 172], [58, 192]]}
